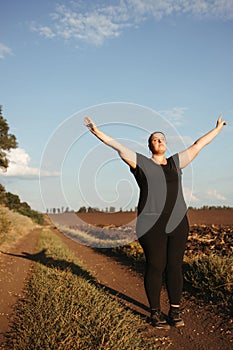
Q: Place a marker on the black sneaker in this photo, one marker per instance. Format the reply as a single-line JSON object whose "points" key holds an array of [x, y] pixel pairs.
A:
{"points": [[158, 320], [174, 317]]}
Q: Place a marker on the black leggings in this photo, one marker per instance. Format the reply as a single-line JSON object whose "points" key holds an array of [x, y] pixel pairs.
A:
{"points": [[164, 253]]}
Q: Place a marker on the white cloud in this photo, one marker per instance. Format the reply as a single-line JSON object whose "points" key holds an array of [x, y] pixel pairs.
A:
{"points": [[214, 194], [176, 115], [189, 195], [201, 8], [4, 50], [103, 20], [93, 26], [19, 166], [44, 31]]}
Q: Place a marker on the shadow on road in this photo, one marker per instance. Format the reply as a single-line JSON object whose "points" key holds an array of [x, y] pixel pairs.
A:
{"points": [[42, 258]]}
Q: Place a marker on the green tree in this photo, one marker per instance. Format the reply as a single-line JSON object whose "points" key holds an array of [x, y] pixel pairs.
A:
{"points": [[2, 194], [7, 141], [12, 201]]}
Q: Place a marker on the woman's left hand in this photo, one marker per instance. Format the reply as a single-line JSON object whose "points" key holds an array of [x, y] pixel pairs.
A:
{"points": [[220, 123]]}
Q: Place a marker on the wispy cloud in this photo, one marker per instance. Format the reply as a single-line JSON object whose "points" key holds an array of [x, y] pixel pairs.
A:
{"points": [[214, 194], [19, 166], [176, 115], [104, 20], [199, 8], [43, 31], [190, 196], [4, 51], [93, 26]]}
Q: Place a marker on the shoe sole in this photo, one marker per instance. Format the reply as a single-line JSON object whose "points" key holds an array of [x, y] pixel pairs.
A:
{"points": [[178, 324], [161, 326], [166, 328], [174, 323]]}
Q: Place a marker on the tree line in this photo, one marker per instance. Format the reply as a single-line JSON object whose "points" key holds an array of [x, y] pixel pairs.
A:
{"points": [[84, 209], [8, 199], [13, 202], [211, 207], [112, 209]]}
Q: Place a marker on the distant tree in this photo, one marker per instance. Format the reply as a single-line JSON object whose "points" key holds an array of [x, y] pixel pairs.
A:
{"points": [[58, 210], [205, 207], [54, 210], [67, 210], [7, 141], [82, 210], [112, 209], [92, 210]]}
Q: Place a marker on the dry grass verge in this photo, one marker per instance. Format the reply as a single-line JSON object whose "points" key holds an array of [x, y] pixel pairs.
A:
{"points": [[65, 309], [13, 226], [212, 278]]}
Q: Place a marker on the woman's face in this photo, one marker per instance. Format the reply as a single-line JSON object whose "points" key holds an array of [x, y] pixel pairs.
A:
{"points": [[158, 143]]}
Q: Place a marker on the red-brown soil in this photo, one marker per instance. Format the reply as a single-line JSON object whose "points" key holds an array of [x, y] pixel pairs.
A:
{"points": [[13, 275], [199, 217], [204, 328]]}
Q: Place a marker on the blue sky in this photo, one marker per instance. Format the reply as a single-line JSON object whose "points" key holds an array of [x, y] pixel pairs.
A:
{"points": [[132, 65]]}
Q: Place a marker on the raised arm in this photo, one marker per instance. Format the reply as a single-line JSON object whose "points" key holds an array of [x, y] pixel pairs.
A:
{"points": [[190, 153], [126, 154]]}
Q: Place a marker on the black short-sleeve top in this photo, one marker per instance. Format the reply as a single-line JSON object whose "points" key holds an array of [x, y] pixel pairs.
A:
{"points": [[160, 186]]}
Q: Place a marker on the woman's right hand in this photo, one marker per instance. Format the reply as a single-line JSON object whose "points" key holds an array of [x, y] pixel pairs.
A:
{"points": [[124, 152], [90, 124]]}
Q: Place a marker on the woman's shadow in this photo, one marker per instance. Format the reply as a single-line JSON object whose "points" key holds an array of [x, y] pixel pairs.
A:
{"points": [[61, 264]]}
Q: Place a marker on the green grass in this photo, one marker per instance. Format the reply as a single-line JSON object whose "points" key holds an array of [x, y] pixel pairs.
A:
{"points": [[65, 309]]}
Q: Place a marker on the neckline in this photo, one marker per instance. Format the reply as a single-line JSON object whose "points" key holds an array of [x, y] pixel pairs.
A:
{"points": [[158, 163]]}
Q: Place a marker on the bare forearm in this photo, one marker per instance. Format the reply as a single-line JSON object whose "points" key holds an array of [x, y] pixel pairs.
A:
{"points": [[207, 138], [190, 153], [125, 153], [108, 140]]}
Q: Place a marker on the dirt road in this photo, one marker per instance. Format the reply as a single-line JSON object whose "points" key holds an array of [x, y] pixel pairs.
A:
{"points": [[13, 275], [203, 329]]}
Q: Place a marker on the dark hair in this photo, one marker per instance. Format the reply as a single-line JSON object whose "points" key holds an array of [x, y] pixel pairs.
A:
{"points": [[150, 138]]}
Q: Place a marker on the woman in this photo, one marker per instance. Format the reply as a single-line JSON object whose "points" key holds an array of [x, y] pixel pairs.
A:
{"points": [[162, 226]]}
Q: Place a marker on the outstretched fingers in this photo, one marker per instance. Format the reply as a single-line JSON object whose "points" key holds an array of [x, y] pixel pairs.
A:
{"points": [[220, 122], [89, 123]]}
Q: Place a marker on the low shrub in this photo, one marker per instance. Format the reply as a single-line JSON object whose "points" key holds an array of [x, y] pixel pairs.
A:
{"points": [[13, 226], [5, 225], [212, 277]]}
